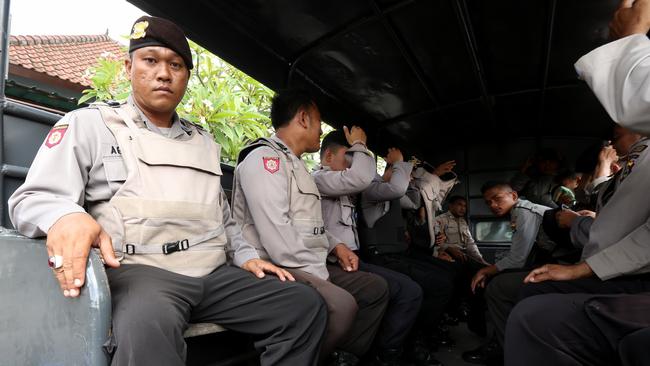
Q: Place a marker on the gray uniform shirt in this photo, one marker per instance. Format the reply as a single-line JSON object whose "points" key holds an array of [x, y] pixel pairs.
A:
{"points": [[266, 198], [375, 200], [526, 219], [617, 73], [338, 188], [619, 239], [86, 167]]}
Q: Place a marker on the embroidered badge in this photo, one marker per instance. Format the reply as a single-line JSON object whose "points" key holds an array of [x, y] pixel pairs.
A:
{"points": [[638, 149], [55, 136], [139, 29], [271, 164]]}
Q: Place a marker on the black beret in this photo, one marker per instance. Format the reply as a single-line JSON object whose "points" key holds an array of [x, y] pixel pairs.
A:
{"points": [[153, 31]]}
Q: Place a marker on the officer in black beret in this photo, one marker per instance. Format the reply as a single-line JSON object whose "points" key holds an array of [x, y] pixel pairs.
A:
{"points": [[162, 225]]}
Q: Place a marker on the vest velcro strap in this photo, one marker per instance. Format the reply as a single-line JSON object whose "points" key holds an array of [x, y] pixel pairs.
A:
{"points": [[319, 230], [175, 246]]}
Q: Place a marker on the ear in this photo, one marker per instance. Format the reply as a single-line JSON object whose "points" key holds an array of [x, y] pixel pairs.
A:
{"points": [[328, 156], [127, 66], [515, 195], [303, 118]]}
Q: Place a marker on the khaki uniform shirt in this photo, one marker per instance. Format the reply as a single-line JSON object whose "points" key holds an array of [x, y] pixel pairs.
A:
{"points": [[458, 235]]}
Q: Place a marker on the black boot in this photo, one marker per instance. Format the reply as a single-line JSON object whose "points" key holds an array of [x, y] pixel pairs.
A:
{"points": [[489, 353], [419, 355], [342, 358]]}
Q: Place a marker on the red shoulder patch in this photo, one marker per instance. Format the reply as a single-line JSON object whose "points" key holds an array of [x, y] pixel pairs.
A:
{"points": [[55, 136], [271, 164]]}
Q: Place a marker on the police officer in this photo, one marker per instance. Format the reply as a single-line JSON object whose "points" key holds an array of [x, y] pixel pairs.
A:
{"points": [[615, 261], [528, 237], [278, 205], [144, 187], [458, 242], [382, 232], [347, 168]]}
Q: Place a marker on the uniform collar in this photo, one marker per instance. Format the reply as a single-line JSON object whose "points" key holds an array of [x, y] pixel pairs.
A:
{"points": [[275, 138], [178, 129]]}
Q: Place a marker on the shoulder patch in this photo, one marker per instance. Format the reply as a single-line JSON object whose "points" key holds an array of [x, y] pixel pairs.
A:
{"points": [[271, 164], [55, 136], [638, 149]]}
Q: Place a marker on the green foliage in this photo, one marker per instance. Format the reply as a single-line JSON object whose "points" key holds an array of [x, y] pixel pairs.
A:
{"points": [[234, 107]]}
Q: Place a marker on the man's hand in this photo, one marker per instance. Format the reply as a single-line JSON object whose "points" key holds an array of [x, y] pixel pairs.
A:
{"points": [[356, 134], [589, 213], [444, 168], [565, 218], [347, 259], [482, 275], [394, 156], [606, 158], [457, 254], [71, 237], [632, 17], [445, 256], [441, 238], [558, 272], [260, 267]]}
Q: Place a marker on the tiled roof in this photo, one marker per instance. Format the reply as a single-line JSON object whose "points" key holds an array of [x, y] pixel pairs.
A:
{"points": [[63, 57]]}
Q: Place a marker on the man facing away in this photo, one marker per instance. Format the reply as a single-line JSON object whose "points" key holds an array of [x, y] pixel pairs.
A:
{"points": [[144, 187], [347, 168], [278, 204]]}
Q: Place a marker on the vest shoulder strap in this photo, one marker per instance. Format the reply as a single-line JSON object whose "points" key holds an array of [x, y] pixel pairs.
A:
{"points": [[262, 141]]}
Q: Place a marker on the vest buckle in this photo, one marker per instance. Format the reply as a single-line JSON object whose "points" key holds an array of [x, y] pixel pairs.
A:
{"points": [[175, 246], [130, 249]]}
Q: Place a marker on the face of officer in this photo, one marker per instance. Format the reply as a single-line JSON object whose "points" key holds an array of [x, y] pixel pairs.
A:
{"points": [[159, 78], [458, 208], [309, 119], [335, 158], [500, 200], [623, 139]]}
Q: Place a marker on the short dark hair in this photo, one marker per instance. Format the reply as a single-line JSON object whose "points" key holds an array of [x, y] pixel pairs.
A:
{"points": [[456, 198], [286, 103], [333, 141], [495, 184]]}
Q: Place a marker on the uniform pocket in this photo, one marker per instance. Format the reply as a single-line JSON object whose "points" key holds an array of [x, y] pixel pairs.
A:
{"points": [[347, 212], [114, 168]]}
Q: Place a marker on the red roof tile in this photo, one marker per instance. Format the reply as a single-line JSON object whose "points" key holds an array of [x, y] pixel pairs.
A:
{"points": [[64, 57]]}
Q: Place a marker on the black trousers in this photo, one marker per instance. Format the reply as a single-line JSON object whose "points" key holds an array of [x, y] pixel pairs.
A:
{"points": [[403, 306], [578, 329], [559, 321], [435, 277], [152, 307]]}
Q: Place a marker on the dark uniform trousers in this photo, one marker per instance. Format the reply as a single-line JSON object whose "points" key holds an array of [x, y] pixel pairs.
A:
{"points": [[356, 302], [152, 308], [568, 322], [403, 306], [435, 276]]}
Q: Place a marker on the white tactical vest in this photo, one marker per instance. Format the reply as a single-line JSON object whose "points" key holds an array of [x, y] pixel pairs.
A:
{"points": [[168, 212], [304, 213]]}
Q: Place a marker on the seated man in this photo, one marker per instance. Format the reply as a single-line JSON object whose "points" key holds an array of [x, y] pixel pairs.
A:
{"points": [[169, 239], [382, 233], [278, 205], [526, 222], [458, 242], [615, 258], [347, 168]]}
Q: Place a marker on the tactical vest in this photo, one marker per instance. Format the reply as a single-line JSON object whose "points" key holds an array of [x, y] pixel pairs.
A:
{"points": [[168, 212], [387, 235], [305, 214]]}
